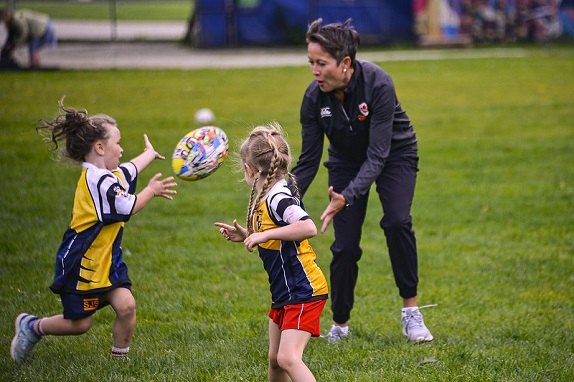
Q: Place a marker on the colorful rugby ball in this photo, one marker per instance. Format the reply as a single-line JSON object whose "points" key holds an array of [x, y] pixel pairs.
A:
{"points": [[200, 153]]}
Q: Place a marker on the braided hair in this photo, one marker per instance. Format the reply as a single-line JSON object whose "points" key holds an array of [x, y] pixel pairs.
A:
{"points": [[269, 155], [77, 129]]}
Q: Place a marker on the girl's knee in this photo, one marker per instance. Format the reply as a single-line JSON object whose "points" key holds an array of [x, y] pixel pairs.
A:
{"points": [[82, 325], [122, 301], [274, 367], [273, 364], [127, 309], [287, 361]]}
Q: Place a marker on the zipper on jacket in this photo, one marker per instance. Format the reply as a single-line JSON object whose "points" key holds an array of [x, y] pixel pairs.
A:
{"points": [[348, 119]]}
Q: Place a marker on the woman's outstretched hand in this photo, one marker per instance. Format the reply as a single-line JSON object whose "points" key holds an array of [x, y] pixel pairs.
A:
{"points": [[336, 204]]}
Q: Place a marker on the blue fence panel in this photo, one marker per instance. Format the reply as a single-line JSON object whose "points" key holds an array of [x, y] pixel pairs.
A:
{"points": [[273, 22]]}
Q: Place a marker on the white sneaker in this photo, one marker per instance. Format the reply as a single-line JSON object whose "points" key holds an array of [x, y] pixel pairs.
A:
{"points": [[337, 333], [414, 325]]}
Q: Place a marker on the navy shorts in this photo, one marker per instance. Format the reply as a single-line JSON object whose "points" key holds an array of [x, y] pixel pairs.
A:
{"points": [[78, 306]]}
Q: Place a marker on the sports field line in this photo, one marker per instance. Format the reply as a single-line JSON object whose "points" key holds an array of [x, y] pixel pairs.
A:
{"points": [[147, 55]]}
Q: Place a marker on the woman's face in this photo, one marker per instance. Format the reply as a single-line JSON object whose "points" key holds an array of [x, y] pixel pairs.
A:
{"points": [[329, 76]]}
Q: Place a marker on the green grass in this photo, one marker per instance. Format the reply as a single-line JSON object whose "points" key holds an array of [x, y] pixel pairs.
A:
{"points": [[493, 215], [156, 10]]}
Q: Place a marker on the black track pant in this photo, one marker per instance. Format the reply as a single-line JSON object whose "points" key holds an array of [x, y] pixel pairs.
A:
{"points": [[395, 187]]}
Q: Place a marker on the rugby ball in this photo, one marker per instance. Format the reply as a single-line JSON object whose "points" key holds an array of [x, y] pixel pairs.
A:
{"points": [[200, 153]]}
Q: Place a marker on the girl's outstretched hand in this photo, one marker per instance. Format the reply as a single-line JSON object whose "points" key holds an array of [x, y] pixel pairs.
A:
{"points": [[147, 156], [162, 187], [235, 232], [149, 147]]}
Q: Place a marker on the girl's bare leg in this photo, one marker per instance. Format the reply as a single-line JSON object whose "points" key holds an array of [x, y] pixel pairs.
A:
{"points": [[124, 304], [274, 372], [290, 355]]}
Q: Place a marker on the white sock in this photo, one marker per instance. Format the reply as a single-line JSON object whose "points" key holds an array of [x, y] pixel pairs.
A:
{"points": [[120, 352]]}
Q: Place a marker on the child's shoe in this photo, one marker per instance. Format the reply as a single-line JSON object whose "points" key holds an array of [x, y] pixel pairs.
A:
{"points": [[25, 339]]}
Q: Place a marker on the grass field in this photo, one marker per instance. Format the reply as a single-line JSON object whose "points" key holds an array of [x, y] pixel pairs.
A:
{"points": [[493, 215], [157, 10]]}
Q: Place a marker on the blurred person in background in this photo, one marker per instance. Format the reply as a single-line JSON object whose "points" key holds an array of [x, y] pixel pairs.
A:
{"points": [[29, 28]]}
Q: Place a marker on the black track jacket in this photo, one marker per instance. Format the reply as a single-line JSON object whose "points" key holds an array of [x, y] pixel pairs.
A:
{"points": [[362, 133]]}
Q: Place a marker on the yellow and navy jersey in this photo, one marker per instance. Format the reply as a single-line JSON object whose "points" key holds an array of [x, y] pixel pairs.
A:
{"points": [[90, 256], [294, 276]]}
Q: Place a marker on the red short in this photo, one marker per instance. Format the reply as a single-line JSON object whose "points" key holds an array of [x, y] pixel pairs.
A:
{"points": [[306, 316]]}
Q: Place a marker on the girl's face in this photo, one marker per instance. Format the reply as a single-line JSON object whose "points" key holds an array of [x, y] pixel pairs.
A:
{"points": [[112, 149], [329, 76], [248, 174]]}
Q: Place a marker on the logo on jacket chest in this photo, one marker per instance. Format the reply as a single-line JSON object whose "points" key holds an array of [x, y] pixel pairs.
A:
{"points": [[326, 112], [364, 109]]}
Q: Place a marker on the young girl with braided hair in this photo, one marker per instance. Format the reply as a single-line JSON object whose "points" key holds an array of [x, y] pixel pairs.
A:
{"points": [[279, 227], [90, 273]]}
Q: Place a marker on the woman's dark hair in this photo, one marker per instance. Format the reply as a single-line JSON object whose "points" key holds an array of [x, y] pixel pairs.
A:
{"points": [[339, 40]]}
